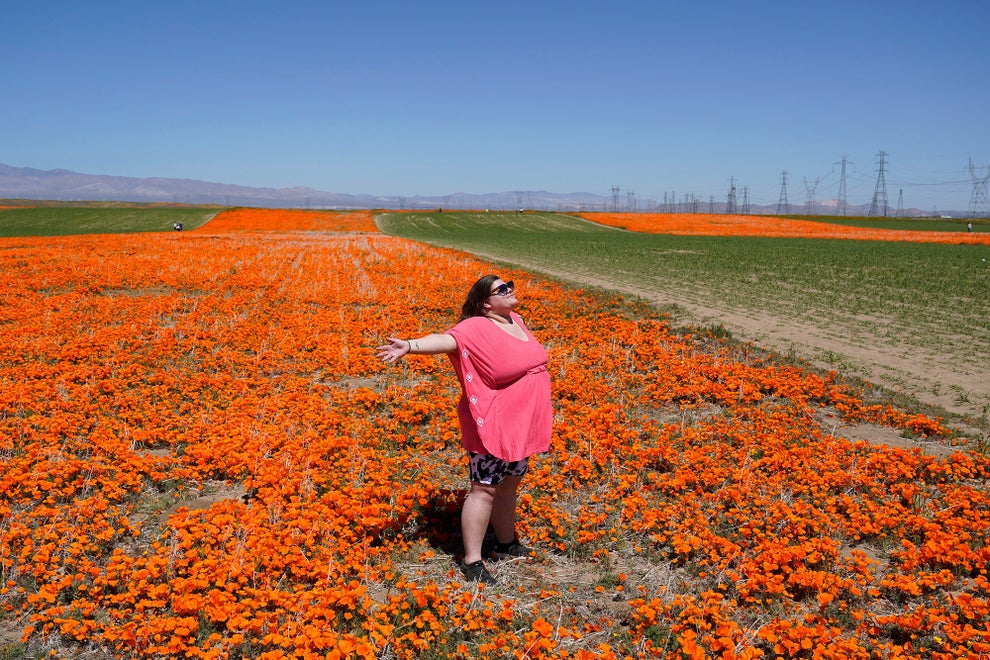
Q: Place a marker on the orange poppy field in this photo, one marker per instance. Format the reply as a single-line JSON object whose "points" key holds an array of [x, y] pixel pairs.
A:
{"points": [[709, 224], [201, 457]]}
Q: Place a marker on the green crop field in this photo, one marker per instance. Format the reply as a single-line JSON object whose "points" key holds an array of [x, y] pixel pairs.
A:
{"points": [[908, 300], [63, 221], [922, 288]]}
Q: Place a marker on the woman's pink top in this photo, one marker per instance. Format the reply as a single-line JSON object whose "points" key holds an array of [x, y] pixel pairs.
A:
{"points": [[504, 408]]}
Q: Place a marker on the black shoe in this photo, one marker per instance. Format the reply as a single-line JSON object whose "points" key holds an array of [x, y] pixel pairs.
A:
{"points": [[511, 550], [476, 572]]}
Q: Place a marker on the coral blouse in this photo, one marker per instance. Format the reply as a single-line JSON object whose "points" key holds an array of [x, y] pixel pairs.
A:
{"points": [[505, 407]]}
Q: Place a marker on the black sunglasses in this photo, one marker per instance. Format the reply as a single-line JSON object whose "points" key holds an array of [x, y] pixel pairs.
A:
{"points": [[503, 289]]}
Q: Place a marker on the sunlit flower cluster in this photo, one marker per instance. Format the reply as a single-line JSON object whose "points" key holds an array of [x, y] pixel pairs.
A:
{"points": [[138, 372], [250, 219], [711, 224]]}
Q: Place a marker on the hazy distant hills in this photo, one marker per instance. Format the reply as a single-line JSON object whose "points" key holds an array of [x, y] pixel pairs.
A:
{"points": [[66, 185]]}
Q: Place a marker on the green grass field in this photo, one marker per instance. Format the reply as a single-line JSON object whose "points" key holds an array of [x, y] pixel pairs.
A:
{"points": [[909, 299], [921, 288], [64, 221]]}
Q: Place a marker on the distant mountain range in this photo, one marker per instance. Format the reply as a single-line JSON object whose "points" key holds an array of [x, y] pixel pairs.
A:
{"points": [[66, 185]]}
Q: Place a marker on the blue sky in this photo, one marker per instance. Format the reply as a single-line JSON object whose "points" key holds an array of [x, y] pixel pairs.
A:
{"points": [[432, 98]]}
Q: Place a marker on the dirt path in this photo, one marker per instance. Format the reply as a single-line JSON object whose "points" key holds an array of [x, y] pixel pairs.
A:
{"points": [[929, 377]]}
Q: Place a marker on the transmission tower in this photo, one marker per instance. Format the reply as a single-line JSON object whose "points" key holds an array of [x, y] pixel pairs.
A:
{"points": [[783, 206], [979, 206], [730, 202], [842, 189], [809, 198], [631, 201], [745, 201], [900, 204], [880, 205]]}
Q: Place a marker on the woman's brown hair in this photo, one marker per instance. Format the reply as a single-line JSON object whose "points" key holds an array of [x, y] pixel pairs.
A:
{"points": [[476, 297]]}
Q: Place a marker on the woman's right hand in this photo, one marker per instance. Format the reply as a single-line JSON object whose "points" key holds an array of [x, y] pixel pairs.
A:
{"points": [[393, 350]]}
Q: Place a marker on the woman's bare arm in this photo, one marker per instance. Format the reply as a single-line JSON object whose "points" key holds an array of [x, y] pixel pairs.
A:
{"points": [[426, 345]]}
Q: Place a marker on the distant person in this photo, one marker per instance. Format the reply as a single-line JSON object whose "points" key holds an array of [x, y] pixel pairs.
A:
{"points": [[504, 411], [969, 226], [177, 226]]}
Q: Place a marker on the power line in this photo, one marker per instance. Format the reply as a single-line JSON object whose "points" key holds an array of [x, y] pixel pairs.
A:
{"points": [[842, 186]]}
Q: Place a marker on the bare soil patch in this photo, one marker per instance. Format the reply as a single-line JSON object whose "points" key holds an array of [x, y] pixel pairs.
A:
{"points": [[10, 634], [832, 425], [213, 492]]}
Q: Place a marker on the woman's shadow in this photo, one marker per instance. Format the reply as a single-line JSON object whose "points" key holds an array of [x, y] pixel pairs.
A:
{"points": [[439, 521]]}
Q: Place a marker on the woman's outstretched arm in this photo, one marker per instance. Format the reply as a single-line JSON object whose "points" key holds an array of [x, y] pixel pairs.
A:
{"points": [[426, 345]]}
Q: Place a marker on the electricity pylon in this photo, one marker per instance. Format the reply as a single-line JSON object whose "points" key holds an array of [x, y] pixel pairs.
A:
{"points": [[979, 206], [783, 206], [841, 210], [879, 204], [809, 200]]}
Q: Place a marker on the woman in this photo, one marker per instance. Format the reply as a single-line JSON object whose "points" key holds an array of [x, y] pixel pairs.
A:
{"points": [[504, 411]]}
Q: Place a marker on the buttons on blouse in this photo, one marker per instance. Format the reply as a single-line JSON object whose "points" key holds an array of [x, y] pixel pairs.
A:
{"points": [[474, 399], [464, 353], [469, 377]]}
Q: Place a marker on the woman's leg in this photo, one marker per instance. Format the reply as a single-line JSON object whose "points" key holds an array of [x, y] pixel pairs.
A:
{"points": [[503, 512], [490, 503], [484, 504], [475, 516]]}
